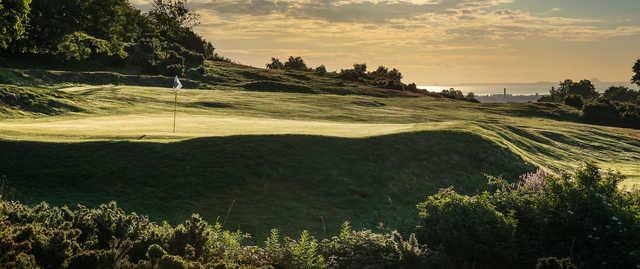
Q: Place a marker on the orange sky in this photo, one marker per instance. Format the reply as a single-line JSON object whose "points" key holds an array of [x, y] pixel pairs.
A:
{"points": [[434, 41]]}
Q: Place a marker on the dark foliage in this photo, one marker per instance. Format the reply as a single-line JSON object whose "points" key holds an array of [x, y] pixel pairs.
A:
{"points": [[113, 32], [321, 70], [458, 95], [14, 16], [636, 73], [583, 216], [618, 106], [574, 101], [296, 63], [583, 88], [275, 64], [107, 237], [555, 263], [622, 94], [604, 111]]}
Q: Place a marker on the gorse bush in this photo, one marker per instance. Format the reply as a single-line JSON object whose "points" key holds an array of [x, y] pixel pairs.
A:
{"points": [[580, 220], [469, 230], [107, 237]]}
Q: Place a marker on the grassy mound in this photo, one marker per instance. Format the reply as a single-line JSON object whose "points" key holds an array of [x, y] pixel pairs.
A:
{"points": [[212, 75], [36, 100], [258, 182]]}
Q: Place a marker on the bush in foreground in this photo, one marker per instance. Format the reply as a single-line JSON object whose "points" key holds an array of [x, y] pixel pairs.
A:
{"points": [[107, 237], [583, 216], [580, 220]]}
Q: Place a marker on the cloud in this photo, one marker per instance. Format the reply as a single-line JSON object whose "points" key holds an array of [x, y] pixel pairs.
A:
{"points": [[446, 38], [359, 11]]}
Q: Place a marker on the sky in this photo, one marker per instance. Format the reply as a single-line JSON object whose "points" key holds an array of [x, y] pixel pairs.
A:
{"points": [[433, 41]]}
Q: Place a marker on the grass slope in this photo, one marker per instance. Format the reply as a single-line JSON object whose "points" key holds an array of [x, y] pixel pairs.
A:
{"points": [[282, 159], [289, 181]]}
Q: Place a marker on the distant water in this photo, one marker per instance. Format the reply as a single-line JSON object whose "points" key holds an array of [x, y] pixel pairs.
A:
{"points": [[516, 88]]}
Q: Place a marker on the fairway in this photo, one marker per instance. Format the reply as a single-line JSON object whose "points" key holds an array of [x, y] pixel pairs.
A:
{"points": [[330, 157]]}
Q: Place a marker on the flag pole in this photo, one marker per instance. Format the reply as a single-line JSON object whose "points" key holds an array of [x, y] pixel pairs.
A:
{"points": [[176, 86], [175, 109]]}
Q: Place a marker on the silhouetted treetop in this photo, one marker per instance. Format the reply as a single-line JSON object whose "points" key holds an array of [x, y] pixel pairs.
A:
{"points": [[636, 73]]}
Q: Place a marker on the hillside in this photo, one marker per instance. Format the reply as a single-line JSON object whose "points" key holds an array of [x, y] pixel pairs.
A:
{"points": [[256, 155]]}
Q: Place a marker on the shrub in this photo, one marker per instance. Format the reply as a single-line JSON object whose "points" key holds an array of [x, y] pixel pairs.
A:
{"points": [[295, 63], [555, 263], [321, 70], [172, 262], [304, 252], [636, 73], [621, 94], [611, 113], [81, 46], [574, 101], [412, 87], [582, 215], [452, 94], [366, 249], [275, 64], [174, 70], [601, 111], [469, 229]]}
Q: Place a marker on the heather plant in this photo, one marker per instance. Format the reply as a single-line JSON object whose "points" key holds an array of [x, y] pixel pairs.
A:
{"points": [[583, 216], [533, 181]]}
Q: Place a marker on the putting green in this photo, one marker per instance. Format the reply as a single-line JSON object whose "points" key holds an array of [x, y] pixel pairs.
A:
{"points": [[159, 127]]}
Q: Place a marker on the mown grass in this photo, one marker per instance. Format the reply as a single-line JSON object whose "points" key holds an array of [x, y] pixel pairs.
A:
{"points": [[287, 160]]}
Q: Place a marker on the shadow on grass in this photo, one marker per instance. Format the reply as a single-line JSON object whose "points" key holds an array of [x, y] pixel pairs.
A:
{"points": [[292, 182]]}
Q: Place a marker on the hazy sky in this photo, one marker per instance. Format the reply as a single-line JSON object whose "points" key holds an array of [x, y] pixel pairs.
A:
{"points": [[434, 41]]}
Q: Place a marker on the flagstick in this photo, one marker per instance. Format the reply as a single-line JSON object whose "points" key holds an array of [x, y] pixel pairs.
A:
{"points": [[175, 109]]}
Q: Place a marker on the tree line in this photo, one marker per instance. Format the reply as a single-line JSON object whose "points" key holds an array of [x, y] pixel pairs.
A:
{"points": [[382, 77], [617, 105], [572, 220], [111, 32]]}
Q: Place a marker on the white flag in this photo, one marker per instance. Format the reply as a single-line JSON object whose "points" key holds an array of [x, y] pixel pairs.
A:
{"points": [[177, 84]]}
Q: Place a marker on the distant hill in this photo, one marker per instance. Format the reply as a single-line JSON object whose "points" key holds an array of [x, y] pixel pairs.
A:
{"points": [[516, 88]]}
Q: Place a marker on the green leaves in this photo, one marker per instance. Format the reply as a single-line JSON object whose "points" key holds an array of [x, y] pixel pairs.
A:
{"points": [[14, 16]]}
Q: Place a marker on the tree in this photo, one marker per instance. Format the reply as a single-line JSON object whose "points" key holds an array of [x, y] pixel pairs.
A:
{"points": [[574, 101], [360, 69], [621, 94], [295, 63], [275, 64], [636, 71], [14, 16], [584, 89], [321, 70], [172, 14], [381, 72]]}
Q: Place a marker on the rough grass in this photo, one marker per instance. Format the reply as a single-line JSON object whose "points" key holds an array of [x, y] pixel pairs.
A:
{"points": [[288, 160]]}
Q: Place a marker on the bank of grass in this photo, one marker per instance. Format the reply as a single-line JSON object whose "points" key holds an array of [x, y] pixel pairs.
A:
{"points": [[258, 160]]}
